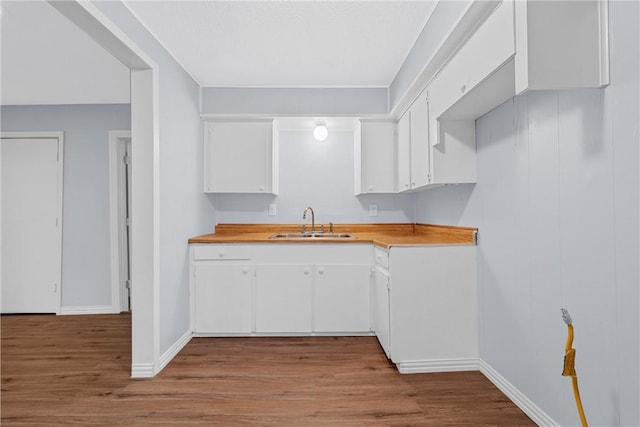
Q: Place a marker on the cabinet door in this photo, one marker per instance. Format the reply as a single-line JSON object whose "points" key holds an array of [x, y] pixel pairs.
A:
{"points": [[380, 314], [420, 169], [341, 298], [238, 157], [378, 142], [283, 298], [222, 300], [404, 152]]}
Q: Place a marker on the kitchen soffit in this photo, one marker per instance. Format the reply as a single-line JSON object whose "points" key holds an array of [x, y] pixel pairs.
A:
{"points": [[287, 43]]}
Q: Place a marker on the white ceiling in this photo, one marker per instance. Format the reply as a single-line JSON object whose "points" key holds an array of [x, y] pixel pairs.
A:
{"points": [[295, 43]]}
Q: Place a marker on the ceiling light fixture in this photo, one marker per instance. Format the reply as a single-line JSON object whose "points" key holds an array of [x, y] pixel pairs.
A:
{"points": [[320, 132]]}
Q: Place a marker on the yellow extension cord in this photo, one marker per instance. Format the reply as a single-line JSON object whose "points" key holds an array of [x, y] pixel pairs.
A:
{"points": [[570, 369]]}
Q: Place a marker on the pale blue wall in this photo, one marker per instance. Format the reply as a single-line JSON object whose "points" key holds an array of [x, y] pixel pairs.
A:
{"points": [[85, 222], [316, 174], [557, 205], [184, 209]]}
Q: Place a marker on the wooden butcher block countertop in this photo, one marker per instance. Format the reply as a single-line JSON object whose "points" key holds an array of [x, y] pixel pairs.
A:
{"points": [[384, 235]]}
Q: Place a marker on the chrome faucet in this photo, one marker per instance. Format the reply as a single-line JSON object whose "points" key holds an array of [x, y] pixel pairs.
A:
{"points": [[313, 219]]}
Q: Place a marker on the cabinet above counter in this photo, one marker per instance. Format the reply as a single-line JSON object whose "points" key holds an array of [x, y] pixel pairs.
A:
{"points": [[497, 49]]}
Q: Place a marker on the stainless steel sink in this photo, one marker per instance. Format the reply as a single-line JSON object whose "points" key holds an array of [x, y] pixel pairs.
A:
{"points": [[312, 235]]}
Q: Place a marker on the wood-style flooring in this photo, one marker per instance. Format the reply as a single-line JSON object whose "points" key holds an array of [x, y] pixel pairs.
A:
{"points": [[75, 370]]}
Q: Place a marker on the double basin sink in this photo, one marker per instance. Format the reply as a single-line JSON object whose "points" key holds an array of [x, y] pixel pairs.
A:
{"points": [[312, 235]]}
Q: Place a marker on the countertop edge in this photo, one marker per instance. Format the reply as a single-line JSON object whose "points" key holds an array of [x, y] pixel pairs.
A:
{"points": [[382, 235]]}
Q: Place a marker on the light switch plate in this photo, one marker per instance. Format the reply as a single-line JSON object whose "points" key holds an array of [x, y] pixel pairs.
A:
{"points": [[272, 209], [373, 210]]}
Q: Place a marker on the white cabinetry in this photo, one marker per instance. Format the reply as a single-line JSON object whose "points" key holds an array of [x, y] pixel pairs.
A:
{"points": [[424, 307], [490, 47], [419, 136], [413, 164], [561, 44], [375, 158], [507, 47], [240, 157], [404, 153], [283, 298], [224, 302], [222, 291], [280, 289], [380, 303], [341, 298]]}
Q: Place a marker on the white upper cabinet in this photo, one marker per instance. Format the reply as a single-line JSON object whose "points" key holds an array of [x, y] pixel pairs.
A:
{"points": [[519, 46], [404, 153], [240, 157], [419, 136], [413, 164], [561, 45], [457, 92], [375, 169]]}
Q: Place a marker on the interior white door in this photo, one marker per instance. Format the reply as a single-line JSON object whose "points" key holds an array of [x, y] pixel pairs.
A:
{"points": [[31, 239]]}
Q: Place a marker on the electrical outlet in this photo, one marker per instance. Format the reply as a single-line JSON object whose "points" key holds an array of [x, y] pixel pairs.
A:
{"points": [[272, 209], [373, 210]]}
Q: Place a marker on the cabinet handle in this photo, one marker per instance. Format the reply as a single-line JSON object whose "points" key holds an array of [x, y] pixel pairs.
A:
{"points": [[221, 254], [262, 188], [306, 271], [245, 270], [321, 272], [370, 188], [463, 88]]}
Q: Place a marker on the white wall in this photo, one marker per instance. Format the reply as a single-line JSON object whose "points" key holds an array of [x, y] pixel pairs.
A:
{"points": [[316, 174], [85, 223], [557, 205], [184, 210], [64, 67], [294, 101]]}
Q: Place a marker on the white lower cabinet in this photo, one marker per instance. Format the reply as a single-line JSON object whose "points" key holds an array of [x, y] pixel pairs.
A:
{"points": [[283, 298], [380, 320], [341, 298], [420, 301], [280, 289], [224, 297], [433, 308]]}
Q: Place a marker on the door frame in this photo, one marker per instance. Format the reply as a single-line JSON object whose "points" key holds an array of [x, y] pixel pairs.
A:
{"points": [[60, 137], [145, 198], [116, 139]]}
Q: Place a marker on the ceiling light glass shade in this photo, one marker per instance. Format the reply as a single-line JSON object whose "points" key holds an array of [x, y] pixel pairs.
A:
{"points": [[320, 132]]}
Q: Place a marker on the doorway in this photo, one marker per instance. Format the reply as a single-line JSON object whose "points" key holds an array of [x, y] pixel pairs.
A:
{"points": [[120, 173], [31, 199]]}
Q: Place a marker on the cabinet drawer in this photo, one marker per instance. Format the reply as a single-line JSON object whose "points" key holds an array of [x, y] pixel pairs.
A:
{"points": [[221, 252], [492, 45], [381, 258]]}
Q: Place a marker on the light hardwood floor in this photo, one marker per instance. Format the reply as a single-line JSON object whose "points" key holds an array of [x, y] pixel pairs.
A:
{"points": [[74, 370]]}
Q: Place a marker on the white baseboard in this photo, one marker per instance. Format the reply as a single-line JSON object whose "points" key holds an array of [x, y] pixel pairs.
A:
{"points": [[87, 309], [142, 370], [438, 365], [148, 370], [528, 407], [168, 355]]}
